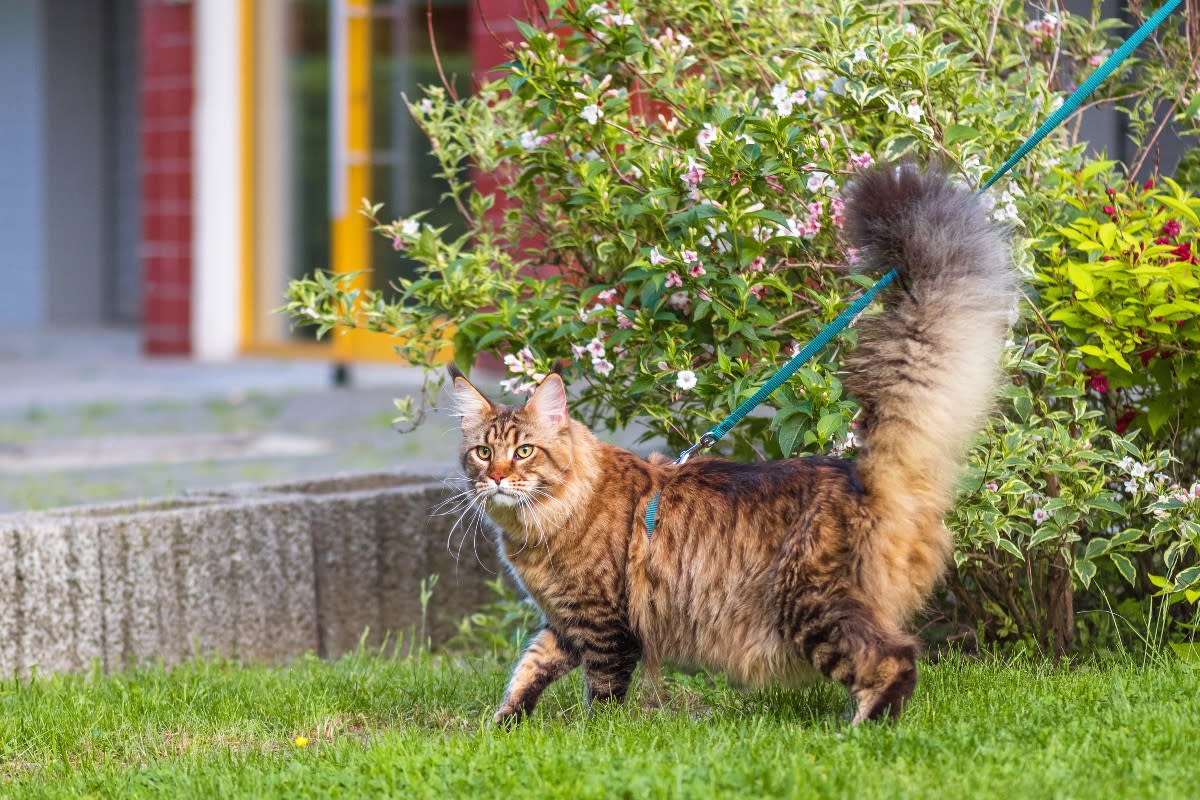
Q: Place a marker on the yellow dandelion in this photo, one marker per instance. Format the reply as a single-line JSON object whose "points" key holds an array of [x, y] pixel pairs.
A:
{"points": [[301, 741]]}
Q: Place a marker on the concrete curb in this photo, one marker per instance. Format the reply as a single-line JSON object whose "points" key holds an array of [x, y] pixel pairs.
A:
{"points": [[254, 572]]}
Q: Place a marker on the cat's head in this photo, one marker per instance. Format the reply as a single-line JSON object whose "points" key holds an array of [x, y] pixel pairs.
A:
{"points": [[515, 456]]}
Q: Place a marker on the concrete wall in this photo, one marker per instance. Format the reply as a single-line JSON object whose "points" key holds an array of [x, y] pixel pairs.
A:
{"points": [[261, 573], [21, 191]]}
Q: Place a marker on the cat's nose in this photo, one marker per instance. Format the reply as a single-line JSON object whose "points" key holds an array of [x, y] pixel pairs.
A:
{"points": [[497, 476]]}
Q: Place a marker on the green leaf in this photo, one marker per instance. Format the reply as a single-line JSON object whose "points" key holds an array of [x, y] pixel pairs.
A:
{"points": [[1009, 547], [1125, 566], [959, 133], [1187, 652], [1044, 534], [1188, 577], [1085, 570], [828, 424], [788, 434], [464, 351]]}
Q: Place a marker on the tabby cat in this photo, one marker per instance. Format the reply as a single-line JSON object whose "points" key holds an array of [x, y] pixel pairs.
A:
{"points": [[764, 569]]}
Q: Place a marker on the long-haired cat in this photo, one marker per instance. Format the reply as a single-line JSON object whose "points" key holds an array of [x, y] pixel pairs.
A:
{"points": [[763, 569]]}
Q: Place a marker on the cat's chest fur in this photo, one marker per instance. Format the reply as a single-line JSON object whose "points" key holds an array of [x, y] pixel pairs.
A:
{"points": [[567, 583]]}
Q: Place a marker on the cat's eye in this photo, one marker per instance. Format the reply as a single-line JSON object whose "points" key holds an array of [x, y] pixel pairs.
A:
{"points": [[484, 452], [525, 451]]}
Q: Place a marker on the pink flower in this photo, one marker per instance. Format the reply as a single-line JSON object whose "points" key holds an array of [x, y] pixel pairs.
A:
{"points": [[679, 300], [602, 366], [757, 265], [1099, 383], [1171, 228], [673, 279], [607, 296], [993, 486], [862, 161], [657, 258], [397, 242], [837, 212], [696, 270], [624, 322], [774, 183], [852, 255], [689, 256], [1040, 515], [596, 348], [693, 175], [703, 295], [1109, 210], [759, 291]]}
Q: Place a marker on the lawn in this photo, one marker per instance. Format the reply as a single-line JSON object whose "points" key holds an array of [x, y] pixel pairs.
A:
{"points": [[418, 727]]}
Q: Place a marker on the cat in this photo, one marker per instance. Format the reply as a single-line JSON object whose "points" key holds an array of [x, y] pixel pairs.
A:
{"points": [[764, 570]]}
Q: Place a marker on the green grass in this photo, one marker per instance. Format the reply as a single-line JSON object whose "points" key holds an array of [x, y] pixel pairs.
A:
{"points": [[418, 728]]}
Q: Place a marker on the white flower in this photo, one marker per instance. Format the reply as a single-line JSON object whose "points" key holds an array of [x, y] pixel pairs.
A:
{"points": [[706, 136], [914, 111], [838, 86], [1126, 463], [530, 140], [657, 258], [1040, 515], [817, 180], [426, 106], [596, 348], [620, 18], [597, 10], [592, 113], [410, 227], [860, 55], [685, 380], [1138, 470], [818, 96], [602, 366], [1131, 487], [513, 364], [684, 42]]}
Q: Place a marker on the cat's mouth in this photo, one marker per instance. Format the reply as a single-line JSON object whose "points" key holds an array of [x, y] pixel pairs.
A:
{"points": [[503, 496]]}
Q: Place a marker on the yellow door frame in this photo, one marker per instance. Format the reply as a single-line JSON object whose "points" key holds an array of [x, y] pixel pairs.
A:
{"points": [[350, 116]]}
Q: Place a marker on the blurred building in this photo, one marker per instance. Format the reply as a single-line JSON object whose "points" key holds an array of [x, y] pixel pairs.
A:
{"points": [[171, 164]]}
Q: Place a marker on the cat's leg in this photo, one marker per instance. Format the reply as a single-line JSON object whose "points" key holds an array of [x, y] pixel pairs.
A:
{"points": [[548, 658], [609, 658], [838, 635]]}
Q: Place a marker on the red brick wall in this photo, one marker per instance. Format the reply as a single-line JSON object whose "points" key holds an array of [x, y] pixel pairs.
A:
{"points": [[167, 90]]}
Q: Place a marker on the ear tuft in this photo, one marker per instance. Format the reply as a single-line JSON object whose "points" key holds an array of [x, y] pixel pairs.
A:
{"points": [[549, 402], [470, 403]]}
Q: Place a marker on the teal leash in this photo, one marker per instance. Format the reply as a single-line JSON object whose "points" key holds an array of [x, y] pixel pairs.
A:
{"points": [[1069, 106]]}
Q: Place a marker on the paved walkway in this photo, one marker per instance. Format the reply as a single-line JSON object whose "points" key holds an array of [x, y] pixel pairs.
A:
{"points": [[84, 417]]}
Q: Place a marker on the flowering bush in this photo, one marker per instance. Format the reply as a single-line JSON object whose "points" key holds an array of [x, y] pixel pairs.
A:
{"points": [[1122, 282], [668, 220]]}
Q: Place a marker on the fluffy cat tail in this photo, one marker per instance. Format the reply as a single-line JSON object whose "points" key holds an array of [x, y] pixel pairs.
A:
{"points": [[926, 367]]}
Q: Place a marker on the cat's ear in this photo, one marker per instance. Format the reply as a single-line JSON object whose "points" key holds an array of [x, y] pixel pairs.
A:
{"points": [[470, 404], [549, 402]]}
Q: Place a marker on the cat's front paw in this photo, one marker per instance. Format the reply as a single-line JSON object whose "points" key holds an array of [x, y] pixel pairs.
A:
{"points": [[508, 715]]}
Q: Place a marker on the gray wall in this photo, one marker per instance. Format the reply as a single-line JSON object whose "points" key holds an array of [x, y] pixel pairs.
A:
{"points": [[123, 302], [69, 211], [21, 156], [76, 244]]}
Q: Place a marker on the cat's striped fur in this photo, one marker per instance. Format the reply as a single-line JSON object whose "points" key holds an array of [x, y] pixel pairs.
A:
{"points": [[764, 569]]}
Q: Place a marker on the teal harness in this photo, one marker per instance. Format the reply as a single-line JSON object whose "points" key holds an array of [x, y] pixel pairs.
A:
{"points": [[1069, 106]]}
